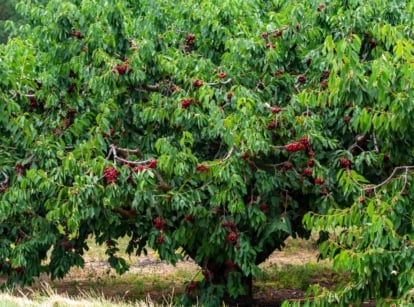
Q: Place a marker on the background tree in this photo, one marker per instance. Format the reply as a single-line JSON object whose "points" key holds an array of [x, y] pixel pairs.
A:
{"points": [[210, 128], [7, 12]]}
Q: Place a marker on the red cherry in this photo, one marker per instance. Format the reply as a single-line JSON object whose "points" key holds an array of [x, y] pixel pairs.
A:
{"points": [[152, 163], [308, 171], [319, 181], [347, 119], [232, 237], [76, 34], [321, 7], [189, 218], [287, 165], [302, 79], [229, 95], [344, 162], [190, 39], [191, 286], [159, 223], [245, 156], [264, 35], [276, 110], [121, 69], [222, 75], [160, 239], [304, 141], [174, 88], [185, 103], [271, 125], [202, 168], [197, 83], [278, 33], [295, 146]]}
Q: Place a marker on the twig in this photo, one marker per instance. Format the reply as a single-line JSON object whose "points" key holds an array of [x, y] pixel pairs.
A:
{"points": [[152, 87], [6, 178], [374, 138], [227, 156], [126, 150], [113, 152], [229, 80]]}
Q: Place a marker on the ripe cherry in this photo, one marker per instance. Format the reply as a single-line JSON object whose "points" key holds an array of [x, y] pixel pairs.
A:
{"points": [[198, 83], [302, 79], [276, 110], [202, 168]]}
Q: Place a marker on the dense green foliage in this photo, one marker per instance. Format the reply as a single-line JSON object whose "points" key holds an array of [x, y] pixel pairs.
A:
{"points": [[210, 128], [7, 12]]}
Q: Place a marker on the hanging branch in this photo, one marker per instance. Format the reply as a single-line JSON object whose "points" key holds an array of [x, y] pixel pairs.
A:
{"points": [[390, 177]]}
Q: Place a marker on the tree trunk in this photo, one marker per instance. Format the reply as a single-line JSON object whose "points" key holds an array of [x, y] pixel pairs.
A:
{"points": [[219, 277]]}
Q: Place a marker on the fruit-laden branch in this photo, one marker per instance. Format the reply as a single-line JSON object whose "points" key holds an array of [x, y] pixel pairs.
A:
{"points": [[150, 163], [390, 177]]}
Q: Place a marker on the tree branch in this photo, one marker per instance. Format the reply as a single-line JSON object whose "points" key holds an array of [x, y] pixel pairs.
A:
{"points": [[396, 169], [229, 80], [6, 179]]}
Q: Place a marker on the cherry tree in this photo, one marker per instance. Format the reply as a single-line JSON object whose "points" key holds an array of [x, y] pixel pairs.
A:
{"points": [[210, 129]]}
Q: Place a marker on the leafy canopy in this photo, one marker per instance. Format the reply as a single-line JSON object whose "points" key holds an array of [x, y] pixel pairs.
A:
{"points": [[210, 128]]}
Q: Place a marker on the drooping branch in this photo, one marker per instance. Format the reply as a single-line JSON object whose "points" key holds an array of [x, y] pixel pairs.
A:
{"points": [[390, 177]]}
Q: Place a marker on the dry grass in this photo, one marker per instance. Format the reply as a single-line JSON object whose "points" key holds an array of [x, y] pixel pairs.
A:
{"points": [[151, 282]]}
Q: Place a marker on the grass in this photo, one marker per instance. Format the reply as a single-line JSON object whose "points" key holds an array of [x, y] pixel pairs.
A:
{"points": [[298, 276], [49, 297], [293, 268]]}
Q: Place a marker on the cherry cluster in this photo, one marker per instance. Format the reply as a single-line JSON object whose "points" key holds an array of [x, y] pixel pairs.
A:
{"points": [[344, 162], [185, 103], [303, 144], [141, 167], [159, 223], [190, 39], [110, 174], [122, 69], [232, 235]]}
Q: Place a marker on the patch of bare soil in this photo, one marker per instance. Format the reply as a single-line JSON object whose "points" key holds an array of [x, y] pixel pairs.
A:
{"points": [[149, 277]]}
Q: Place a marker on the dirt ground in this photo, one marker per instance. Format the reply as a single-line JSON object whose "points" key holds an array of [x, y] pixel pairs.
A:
{"points": [[151, 278]]}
